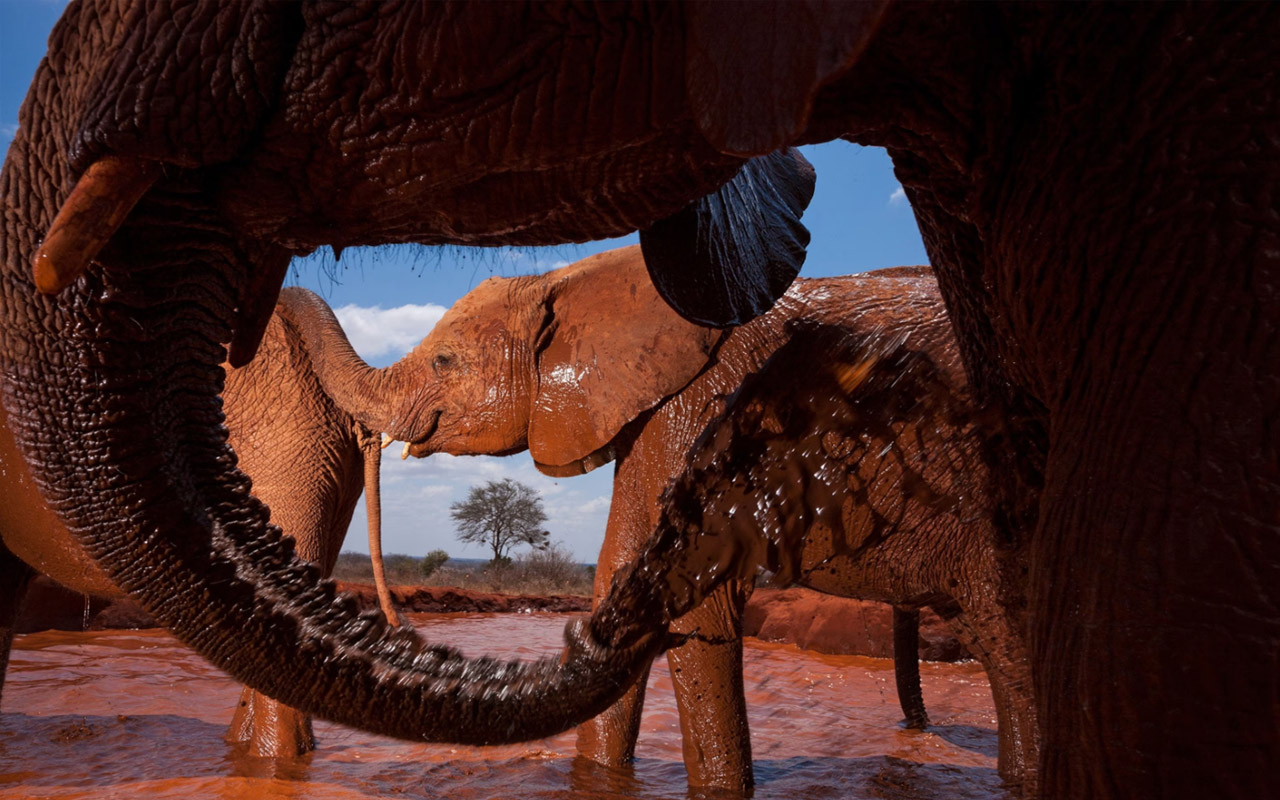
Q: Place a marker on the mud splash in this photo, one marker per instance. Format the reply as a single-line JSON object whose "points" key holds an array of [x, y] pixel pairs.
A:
{"points": [[135, 714]]}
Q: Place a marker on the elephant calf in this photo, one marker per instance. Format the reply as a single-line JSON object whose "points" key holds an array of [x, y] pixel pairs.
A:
{"points": [[586, 365], [849, 463], [309, 461]]}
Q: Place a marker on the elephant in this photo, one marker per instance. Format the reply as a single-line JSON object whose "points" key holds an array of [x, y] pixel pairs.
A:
{"points": [[586, 364], [1093, 182], [309, 462], [849, 463]]}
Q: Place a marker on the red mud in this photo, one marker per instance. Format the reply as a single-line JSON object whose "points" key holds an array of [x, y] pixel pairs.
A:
{"points": [[840, 626], [124, 714]]}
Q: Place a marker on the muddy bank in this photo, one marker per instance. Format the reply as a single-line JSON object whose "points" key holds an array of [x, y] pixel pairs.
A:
{"points": [[446, 599], [813, 621], [50, 606], [841, 626]]}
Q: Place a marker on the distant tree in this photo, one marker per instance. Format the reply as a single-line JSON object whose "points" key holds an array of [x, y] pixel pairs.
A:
{"points": [[433, 561], [500, 515]]}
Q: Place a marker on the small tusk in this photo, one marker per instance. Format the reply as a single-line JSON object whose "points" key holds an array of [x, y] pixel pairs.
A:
{"points": [[850, 376], [93, 212], [386, 440], [404, 453]]}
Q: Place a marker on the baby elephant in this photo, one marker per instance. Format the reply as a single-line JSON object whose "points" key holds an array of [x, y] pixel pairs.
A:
{"points": [[309, 461], [849, 463], [586, 365]]}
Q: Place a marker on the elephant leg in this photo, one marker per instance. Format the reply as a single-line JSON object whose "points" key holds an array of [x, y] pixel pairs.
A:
{"points": [[610, 737], [985, 630], [269, 728], [906, 667], [1165, 597], [707, 674], [15, 577]]}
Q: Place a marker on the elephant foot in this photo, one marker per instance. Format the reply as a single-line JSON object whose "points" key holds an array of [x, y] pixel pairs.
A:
{"points": [[590, 778], [1020, 777], [270, 729]]}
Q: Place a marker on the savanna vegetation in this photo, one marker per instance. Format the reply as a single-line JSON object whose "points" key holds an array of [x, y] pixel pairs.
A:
{"points": [[551, 570]]}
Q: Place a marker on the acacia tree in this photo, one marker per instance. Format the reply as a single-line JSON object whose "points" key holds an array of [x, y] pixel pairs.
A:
{"points": [[501, 514]]}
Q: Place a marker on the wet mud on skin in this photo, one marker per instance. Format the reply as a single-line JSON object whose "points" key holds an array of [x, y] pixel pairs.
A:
{"points": [[135, 714]]}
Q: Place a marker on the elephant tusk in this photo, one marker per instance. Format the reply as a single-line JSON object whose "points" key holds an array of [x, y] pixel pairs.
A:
{"points": [[96, 208], [386, 440], [404, 454], [850, 376]]}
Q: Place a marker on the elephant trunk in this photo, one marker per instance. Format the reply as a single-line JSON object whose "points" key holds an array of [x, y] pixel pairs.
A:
{"points": [[377, 398], [112, 392]]}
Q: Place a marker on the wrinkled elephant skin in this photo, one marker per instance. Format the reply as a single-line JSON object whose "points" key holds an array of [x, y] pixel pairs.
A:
{"points": [[1094, 184]]}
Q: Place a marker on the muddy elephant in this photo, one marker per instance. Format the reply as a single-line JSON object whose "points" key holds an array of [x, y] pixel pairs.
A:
{"points": [[586, 364], [849, 463], [309, 461], [1094, 184]]}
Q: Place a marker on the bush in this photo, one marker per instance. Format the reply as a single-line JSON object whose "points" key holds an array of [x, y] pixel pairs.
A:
{"points": [[550, 571], [433, 561]]}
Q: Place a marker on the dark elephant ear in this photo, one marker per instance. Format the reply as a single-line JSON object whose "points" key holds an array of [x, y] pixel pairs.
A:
{"points": [[726, 258]]}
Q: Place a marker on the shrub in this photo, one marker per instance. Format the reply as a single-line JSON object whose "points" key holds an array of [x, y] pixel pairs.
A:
{"points": [[433, 561], [550, 571]]}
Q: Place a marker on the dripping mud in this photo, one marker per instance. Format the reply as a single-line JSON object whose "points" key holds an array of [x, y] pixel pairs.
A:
{"points": [[135, 714]]}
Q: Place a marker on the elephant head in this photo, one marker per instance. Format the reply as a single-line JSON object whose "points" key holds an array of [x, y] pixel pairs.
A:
{"points": [[527, 362]]}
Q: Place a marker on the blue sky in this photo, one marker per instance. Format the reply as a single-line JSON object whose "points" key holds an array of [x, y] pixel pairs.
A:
{"points": [[388, 299]]}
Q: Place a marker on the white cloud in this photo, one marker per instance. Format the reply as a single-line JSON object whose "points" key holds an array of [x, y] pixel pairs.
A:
{"points": [[379, 331], [595, 505], [899, 197], [435, 490], [8, 130]]}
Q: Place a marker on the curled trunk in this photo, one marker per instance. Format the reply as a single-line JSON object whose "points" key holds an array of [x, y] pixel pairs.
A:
{"points": [[112, 389]]}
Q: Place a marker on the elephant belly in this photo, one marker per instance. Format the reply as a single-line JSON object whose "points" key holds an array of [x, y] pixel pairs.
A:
{"points": [[33, 532], [833, 565]]}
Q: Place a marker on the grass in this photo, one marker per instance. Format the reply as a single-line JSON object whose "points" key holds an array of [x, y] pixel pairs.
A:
{"points": [[537, 572]]}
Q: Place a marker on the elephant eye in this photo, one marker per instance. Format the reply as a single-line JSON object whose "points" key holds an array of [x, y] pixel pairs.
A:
{"points": [[442, 362]]}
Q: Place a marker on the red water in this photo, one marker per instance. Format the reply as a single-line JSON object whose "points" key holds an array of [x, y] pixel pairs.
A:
{"points": [[135, 714]]}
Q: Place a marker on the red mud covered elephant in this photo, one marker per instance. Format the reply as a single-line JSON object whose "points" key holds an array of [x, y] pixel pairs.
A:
{"points": [[1095, 185], [490, 379]]}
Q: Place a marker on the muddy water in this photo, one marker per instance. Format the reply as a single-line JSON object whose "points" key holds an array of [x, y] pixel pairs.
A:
{"points": [[135, 714]]}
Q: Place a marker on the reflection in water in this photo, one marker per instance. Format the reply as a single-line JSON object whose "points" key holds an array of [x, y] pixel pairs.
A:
{"points": [[135, 714]]}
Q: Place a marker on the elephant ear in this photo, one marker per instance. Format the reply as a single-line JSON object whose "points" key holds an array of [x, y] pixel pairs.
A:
{"points": [[726, 258], [753, 69], [609, 349]]}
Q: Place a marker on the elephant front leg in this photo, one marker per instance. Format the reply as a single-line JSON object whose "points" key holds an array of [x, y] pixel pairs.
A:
{"points": [[270, 729], [987, 632], [610, 738], [707, 674], [15, 576]]}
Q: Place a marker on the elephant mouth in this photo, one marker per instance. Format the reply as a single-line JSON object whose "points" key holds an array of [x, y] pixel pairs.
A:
{"points": [[420, 447]]}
